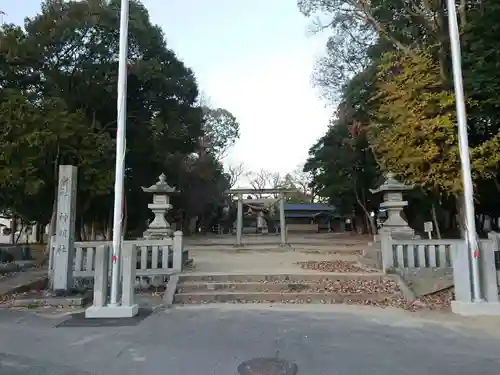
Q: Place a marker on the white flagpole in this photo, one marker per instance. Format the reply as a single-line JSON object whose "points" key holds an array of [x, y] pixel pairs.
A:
{"points": [[120, 152], [470, 223]]}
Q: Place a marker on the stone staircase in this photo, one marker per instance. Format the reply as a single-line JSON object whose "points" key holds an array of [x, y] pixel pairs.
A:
{"points": [[319, 287]]}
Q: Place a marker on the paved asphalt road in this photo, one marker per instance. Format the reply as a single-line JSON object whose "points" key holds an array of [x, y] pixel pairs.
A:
{"points": [[204, 341]]}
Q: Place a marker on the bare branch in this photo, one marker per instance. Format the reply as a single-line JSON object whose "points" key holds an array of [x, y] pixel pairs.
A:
{"points": [[235, 172]]}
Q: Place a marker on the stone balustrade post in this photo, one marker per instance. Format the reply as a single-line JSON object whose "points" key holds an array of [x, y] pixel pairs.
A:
{"points": [[101, 276], [177, 251]]}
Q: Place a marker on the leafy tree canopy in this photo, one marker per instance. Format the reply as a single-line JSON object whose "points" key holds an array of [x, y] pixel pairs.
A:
{"points": [[58, 99]]}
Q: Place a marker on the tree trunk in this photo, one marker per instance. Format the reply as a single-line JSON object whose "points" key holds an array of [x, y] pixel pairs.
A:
{"points": [[460, 215], [40, 232], [462, 12], [13, 224], [20, 232], [84, 231], [443, 51], [93, 231], [435, 221], [494, 223], [482, 222], [371, 223], [109, 228], [361, 224], [185, 224], [366, 224], [125, 216]]}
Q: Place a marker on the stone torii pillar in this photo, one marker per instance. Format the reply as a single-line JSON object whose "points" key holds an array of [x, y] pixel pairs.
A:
{"points": [[239, 221], [282, 220]]}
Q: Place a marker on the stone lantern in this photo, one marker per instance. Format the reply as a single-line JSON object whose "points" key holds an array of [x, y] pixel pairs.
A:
{"points": [[392, 191], [159, 227]]}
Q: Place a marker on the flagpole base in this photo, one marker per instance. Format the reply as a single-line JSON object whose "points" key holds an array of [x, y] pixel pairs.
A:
{"points": [[110, 311], [481, 308]]}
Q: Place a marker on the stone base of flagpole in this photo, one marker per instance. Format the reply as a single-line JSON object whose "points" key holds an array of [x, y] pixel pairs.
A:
{"points": [[101, 308], [110, 311], [475, 308]]}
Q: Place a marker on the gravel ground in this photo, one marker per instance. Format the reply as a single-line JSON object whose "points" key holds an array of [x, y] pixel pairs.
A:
{"points": [[335, 266], [333, 252], [350, 252], [4, 299], [152, 291], [5, 276], [337, 286], [394, 302], [440, 300]]}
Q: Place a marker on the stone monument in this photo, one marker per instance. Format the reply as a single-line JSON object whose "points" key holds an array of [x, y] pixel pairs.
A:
{"points": [[62, 277], [392, 190], [159, 227]]}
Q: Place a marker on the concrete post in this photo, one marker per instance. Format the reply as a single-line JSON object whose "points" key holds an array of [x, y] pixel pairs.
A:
{"points": [[282, 220], [386, 252], [464, 304], [177, 251], [129, 263], [461, 273], [127, 308], [488, 273], [495, 237], [101, 276], [239, 220], [65, 229]]}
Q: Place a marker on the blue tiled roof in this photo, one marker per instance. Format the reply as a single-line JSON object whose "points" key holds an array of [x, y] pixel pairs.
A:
{"points": [[297, 215], [309, 215], [308, 207]]}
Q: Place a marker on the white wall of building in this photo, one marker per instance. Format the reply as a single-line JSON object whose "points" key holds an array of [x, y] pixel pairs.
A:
{"points": [[28, 234]]}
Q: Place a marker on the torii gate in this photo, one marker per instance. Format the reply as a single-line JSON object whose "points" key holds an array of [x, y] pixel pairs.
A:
{"points": [[239, 218]]}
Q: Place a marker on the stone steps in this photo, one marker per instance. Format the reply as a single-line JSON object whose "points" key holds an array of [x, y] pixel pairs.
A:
{"points": [[320, 287], [193, 287], [296, 276], [256, 297]]}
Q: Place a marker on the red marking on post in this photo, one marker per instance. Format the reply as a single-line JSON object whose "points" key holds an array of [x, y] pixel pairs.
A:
{"points": [[114, 258], [476, 254]]}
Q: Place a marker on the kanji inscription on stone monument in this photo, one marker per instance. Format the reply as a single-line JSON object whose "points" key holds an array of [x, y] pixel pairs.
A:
{"points": [[65, 228]]}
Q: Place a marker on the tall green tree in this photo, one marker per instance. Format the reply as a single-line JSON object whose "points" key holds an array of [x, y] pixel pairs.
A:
{"points": [[343, 170], [220, 131], [388, 64], [68, 55]]}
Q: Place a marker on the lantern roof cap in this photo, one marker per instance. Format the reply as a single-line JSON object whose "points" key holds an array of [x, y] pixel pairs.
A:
{"points": [[391, 184], [160, 187]]}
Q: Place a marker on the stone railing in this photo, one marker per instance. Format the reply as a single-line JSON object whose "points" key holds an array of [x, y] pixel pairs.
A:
{"points": [[495, 237], [401, 255], [411, 253], [463, 303], [153, 257]]}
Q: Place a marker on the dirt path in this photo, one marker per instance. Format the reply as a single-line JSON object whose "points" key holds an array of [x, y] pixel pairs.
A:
{"points": [[214, 261]]}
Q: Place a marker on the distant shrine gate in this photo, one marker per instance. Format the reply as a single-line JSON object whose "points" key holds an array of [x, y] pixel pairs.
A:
{"points": [[239, 193]]}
